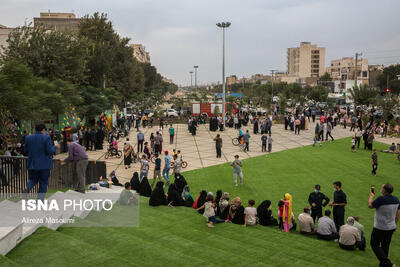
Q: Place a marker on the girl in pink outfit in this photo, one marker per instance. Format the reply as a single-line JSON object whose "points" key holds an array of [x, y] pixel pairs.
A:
{"points": [[287, 212]]}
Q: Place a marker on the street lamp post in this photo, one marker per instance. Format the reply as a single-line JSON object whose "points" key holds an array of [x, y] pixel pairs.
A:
{"points": [[195, 76], [191, 79], [223, 25]]}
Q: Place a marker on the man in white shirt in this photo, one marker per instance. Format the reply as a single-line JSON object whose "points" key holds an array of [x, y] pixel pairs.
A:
{"points": [[306, 222], [326, 227], [349, 236]]}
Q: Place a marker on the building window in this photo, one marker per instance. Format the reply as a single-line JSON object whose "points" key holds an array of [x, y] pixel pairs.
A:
{"points": [[365, 74]]}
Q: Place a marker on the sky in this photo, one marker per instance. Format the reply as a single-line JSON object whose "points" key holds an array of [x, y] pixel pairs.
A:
{"points": [[182, 33]]}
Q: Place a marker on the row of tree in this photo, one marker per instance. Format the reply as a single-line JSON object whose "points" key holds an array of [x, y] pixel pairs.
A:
{"points": [[43, 71]]}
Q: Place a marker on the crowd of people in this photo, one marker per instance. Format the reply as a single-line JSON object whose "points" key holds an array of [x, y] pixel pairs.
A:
{"points": [[349, 235]]}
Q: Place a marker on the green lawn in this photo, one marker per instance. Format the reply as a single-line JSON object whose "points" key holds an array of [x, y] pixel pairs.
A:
{"points": [[179, 236]]}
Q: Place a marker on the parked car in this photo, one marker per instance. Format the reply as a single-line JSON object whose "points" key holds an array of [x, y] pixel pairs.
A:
{"points": [[171, 113], [148, 112]]}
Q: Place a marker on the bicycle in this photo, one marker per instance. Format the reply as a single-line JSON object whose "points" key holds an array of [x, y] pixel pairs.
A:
{"points": [[113, 152], [236, 141], [183, 164]]}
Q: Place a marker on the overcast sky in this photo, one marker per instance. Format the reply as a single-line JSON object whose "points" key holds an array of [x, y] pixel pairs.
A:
{"points": [[182, 33]]}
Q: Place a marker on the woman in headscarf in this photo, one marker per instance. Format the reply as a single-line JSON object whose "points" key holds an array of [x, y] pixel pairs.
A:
{"points": [[145, 188], [180, 183], [135, 182], [114, 179], [158, 196], [223, 206], [127, 155], [187, 197], [287, 212], [201, 199], [173, 197], [217, 199], [264, 214], [255, 126], [236, 211]]}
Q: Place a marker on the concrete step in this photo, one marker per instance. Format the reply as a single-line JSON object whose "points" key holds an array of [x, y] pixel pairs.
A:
{"points": [[57, 217], [73, 195], [31, 220], [10, 235]]}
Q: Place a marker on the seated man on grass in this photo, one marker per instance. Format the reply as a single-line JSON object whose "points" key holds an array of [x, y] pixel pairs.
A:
{"points": [[349, 236], [306, 222], [326, 227], [126, 197], [391, 149]]}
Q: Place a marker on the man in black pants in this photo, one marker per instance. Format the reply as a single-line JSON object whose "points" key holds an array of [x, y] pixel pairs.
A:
{"points": [[338, 204], [316, 201], [218, 145], [387, 215], [374, 159]]}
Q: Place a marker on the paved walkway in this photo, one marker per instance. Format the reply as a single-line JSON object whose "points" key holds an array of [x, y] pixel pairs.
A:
{"points": [[199, 151]]}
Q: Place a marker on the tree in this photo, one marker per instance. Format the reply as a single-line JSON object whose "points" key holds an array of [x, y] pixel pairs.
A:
{"points": [[390, 73], [49, 54], [364, 95], [318, 93]]}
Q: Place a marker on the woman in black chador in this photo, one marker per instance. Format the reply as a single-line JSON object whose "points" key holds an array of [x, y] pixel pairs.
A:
{"points": [[174, 198], [145, 188], [135, 182], [158, 197], [264, 214]]}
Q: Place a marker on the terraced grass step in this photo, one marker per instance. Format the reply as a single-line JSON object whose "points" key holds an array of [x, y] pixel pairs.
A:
{"points": [[6, 262]]}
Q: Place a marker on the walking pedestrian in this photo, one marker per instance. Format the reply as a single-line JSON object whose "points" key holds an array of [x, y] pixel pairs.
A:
{"points": [[144, 168], [218, 145], [78, 156], [128, 150], [338, 204], [358, 135], [40, 152], [157, 169], [269, 143], [387, 214], [297, 123], [246, 139], [329, 130], [237, 170], [167, 166], [140, 140], [374, 160], [171, 134], [177, 165]]}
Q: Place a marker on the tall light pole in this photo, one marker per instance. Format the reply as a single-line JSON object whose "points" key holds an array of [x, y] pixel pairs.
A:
{"points": [[223, 25], [191, 79], [195, 76]]}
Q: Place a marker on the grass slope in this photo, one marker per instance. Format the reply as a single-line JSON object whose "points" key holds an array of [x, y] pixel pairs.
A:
{"points": [[179, 237]]}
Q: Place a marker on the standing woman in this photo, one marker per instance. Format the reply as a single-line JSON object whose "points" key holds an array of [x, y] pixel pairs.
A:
{"points": [[287, 212], [127, 154], [152, 143]]}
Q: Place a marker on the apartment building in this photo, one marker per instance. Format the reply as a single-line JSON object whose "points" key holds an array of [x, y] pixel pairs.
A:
{"points": [[307, 60]]}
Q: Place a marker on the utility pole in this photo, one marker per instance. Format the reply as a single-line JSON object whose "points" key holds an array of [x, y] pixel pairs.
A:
{"points": [[272, 86], [191, 79], [195, 76], [355, 68]]}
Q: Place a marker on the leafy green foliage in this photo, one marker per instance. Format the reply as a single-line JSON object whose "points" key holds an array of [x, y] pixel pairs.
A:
{"points": [[364, 95]]}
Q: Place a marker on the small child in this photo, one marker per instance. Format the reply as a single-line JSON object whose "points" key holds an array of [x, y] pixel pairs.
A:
{"points": [[250, 214], [280, 213], [353, 145], [209, 211], [315, 140]]}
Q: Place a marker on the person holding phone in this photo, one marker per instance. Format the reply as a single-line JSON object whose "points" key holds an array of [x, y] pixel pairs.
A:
{"points": [[387, 214], [237, 170]]}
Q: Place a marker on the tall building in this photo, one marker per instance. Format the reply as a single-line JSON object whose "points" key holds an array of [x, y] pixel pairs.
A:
{"points": [[231, 80], [58, 21], [308, 60], [343, 70], [140, 53], [4, 32]]}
